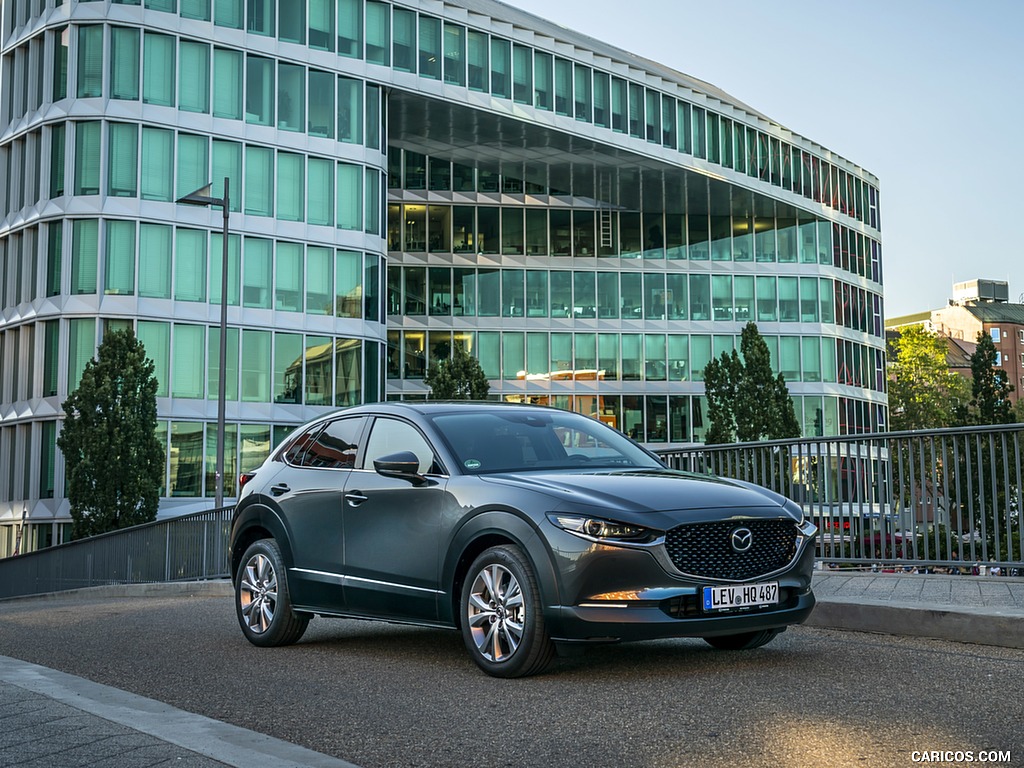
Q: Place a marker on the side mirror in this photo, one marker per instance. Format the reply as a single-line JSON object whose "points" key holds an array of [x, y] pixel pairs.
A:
{"points": [[404, 465]]}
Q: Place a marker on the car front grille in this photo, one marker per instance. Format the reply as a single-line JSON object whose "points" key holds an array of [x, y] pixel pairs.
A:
{"points": [[705, 549]]}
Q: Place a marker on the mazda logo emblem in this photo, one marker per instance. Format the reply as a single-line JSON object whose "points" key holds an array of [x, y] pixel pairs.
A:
{"points": [[741, 539]]}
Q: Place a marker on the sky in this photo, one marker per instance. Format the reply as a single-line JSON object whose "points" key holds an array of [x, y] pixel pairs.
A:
{"points": [[927, 95]]}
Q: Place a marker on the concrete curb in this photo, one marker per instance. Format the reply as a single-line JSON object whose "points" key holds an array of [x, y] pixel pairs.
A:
{"points": [[211, 588], [963, 624]]}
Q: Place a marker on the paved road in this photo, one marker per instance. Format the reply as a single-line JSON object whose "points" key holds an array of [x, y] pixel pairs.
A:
{"points": [[384, 695]]}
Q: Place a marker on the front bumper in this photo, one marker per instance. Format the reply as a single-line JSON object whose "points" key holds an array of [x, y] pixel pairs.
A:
{"points": [[651, 621], [620, 595]]}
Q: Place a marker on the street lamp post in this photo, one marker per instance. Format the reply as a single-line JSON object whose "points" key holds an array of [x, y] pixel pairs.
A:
{"points": [[202, 196]]}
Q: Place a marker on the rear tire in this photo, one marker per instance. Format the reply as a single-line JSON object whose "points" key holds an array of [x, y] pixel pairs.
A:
{"points": [[745, 641], [263, 601], [502, 615]]}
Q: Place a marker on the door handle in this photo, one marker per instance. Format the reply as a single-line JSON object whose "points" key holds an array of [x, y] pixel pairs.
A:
{"points": [[355, 498], [280, 488]]}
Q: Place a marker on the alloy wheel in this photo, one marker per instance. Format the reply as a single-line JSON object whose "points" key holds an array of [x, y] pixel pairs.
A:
{"points": [[257, 593], [496, 613]]}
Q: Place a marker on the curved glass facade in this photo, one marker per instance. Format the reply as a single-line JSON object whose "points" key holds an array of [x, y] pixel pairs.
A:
{"points": [[593, 226]]}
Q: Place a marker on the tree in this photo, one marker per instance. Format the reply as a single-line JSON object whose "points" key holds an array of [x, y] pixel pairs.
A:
{"points": [[987, 465], [990, 388], [1018, 411], [745, 399], [721, 383], [115, 463], [458, 377], [923, 392]]}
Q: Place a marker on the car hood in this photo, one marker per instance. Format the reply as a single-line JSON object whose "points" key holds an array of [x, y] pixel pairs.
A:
{"points": [[642, 491]]}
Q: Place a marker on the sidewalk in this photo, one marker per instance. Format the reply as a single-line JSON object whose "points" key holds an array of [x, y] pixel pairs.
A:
{"points": [[988, 610], [49, 719]]}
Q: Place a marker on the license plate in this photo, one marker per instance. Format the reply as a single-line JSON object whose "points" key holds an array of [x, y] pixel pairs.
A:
{"points": [[740, 596]]}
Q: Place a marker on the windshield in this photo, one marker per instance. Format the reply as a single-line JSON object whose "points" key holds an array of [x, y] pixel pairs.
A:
{"points": [[516, 440]]}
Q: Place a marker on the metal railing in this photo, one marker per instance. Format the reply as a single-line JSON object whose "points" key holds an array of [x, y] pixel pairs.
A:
{"points": [[187, 548], [948, 497]]}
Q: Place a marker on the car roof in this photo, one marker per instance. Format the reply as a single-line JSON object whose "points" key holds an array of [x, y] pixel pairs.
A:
{"points": [[430, 408]]}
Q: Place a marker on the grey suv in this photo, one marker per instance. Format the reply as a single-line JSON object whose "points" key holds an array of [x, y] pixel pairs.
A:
{"points": [[531, 530]]}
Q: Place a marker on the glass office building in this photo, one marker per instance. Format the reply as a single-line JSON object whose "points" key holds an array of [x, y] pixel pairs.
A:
{"points": [[404, 177]]}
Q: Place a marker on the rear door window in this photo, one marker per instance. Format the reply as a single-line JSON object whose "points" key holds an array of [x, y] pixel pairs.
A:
{"points": [[336, 446], [295, 451]]}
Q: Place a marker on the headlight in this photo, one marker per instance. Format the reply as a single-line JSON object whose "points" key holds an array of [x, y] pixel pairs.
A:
{"points": [[602, 530]]}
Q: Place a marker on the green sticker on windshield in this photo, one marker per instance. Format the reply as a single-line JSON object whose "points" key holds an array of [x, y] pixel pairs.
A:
{"points": [[472, 464]]}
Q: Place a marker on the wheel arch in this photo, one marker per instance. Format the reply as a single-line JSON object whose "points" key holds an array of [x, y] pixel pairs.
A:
{"points": [[494, 528], [255, 522]]}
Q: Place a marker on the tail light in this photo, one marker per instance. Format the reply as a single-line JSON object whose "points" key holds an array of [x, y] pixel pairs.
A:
{"points": [[244, 478]]}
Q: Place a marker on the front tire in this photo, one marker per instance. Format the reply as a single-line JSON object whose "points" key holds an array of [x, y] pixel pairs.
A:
{"points": [[262, 598], [502, 617], [745, 641]]}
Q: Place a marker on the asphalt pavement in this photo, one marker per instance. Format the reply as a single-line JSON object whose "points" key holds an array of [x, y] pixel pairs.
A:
{"points": [[50, 719]]}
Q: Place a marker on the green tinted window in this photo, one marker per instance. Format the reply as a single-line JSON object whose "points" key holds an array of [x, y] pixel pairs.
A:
{"points": [[349, 196], [217, 268], [256, 366], [288, 277], [87, 158], [350, 28], [501, 68], [84, 256], [319, 281], [230, 364], [227, 84], [156, 339], [51, 348], [291, 95], [378, 33], [259, 180], [227, 162], [122, 160], [119, 275], [454, 54], [288, 368], [348, 289], [81, 348], [194, 77], [195, 9], [430, 47], [320, 191], [124, 63], [350, 110], [187, 469], [54, 256], [90, 61], [190, 265], [321, 104], [158, 69], [291, 186], [321, 24], [157, 164], [155, 260], [193, 163], [256, 273], [259, 90]]}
